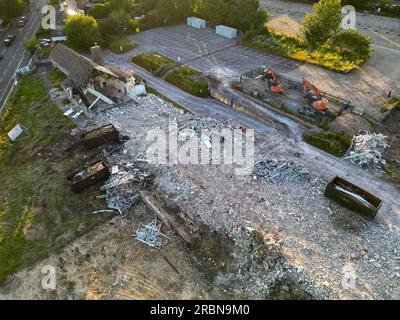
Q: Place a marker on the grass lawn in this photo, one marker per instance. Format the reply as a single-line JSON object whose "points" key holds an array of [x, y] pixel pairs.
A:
{"points": [[189, 80], [183, 77], [153, 62], [38, 212], [291, 47], [335, 143], [122, 43], [55, 78]]}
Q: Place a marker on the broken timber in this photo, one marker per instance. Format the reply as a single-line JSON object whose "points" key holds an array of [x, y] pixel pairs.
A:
{"points": [[180, 222]]}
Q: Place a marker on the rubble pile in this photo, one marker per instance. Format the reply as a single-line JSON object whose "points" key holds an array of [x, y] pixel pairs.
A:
{"points": [[123, 187], [282, 171], [367, 150], [201, 125]]}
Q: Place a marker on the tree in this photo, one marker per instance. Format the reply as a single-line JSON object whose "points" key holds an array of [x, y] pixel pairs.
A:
{"points": [[11, 8], [121, 4], [118, 20], [322, 23], [99, 10], [82, 31], [246, 15], [31, 43], [352, 45]]}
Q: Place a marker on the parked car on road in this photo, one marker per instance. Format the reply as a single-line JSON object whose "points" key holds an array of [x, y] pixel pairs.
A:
{"points": [[9, 40], [45, 42], [20, 24]]}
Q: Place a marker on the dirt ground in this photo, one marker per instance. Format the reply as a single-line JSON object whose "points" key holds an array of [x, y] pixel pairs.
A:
{"points": [[108, 263]]}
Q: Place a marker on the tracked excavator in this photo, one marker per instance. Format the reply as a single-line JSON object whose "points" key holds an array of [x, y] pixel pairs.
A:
{"points": [[273, 82], [314, 97]]}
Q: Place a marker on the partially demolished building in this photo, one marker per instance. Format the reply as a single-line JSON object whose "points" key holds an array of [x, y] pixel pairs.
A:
{"points": [[98, 80]]}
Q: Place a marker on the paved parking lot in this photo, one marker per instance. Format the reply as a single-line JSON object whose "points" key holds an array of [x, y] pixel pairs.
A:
{"points": [[208, 52]]}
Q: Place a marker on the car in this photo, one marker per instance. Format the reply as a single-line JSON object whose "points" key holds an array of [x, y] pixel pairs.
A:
{"points": [[1, 56], [20, 23], [45, 42], [9, 40], [24, 19]]}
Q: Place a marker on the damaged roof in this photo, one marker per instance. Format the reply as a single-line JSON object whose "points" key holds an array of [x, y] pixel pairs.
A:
{"points": [[81, 69], [76, 66]]}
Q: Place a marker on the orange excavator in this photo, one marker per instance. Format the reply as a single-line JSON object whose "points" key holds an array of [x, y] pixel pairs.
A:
{"points": [[314, 97], [273, 82]]}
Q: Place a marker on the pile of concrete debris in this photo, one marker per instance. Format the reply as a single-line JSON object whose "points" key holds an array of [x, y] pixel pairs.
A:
{"points": [[123, 187], [283, 171], [367, 150], [207, 125]]}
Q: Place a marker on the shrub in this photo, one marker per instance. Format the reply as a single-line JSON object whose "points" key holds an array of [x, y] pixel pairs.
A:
{"points": [[99, 10], [352, 45], [335, 143], [31, 43]]}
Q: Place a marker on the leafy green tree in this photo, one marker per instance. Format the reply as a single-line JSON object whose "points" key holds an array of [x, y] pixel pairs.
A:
{"points": [[246, 15], [121, 4], [241, 14], [11, 8], [31, 43], [82, 31], [322, 23], [99, 10], [352, 45]]}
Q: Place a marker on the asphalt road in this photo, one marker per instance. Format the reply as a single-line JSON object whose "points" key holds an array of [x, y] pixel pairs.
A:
{"points": [[16, 53]]}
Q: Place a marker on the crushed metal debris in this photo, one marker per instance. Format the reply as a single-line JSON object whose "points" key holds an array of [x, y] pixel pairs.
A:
{"points": [[150, 234]]}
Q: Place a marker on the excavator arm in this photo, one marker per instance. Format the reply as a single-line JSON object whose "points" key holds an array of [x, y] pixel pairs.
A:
{"points": [[318, 103], [275, 85]]}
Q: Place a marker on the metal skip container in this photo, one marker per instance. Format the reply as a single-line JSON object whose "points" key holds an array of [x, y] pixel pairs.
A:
{"points": [[353, 197], [226, 32], [100, 136]]}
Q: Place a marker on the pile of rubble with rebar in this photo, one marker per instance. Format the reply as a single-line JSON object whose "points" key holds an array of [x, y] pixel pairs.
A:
{"points": [[367, 150], [283, 171], [123, 187]]}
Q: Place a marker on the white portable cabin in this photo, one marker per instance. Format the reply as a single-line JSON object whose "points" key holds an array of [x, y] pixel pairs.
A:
{"points": [[226, 32], [196, 22]]}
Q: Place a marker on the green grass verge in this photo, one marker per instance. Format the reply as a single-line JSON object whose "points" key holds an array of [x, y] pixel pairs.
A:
{"points": [[38, 212], [121, 45], [153, 62], [391, 104], [183, 77], [335, 143], [291, 47], [189, 80]]}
